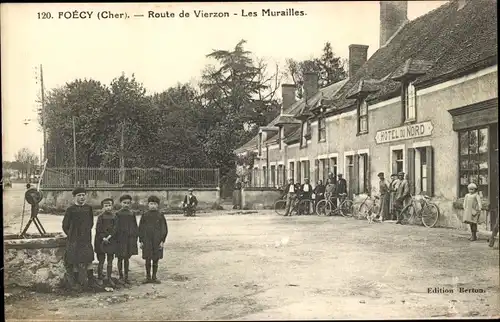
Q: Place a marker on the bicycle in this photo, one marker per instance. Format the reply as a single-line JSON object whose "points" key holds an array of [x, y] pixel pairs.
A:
{"points": [[326, 207], [369, 207], [429, 217], [297, 206]]}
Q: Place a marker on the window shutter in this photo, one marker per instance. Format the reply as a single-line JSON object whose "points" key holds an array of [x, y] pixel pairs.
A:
{"points": [[411, 169], [430, 171], [355, 180]]}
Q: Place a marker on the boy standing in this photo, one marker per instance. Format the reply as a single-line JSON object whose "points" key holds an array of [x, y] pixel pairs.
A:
{"points": [[77, 225], [190, 203], [153, 231], [126, 237], [104, 243]]}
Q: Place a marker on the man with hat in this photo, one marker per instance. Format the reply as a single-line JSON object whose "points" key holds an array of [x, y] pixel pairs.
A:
{"points": [[402, 194], [77, 225], [384, 197], [341, 187], [190, 203]]}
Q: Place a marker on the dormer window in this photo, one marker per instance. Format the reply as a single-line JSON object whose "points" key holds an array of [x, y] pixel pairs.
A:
{"points": [[362, 116], [260, 144], [410, 102], [281, 135], [321, 129], [305, 133]]}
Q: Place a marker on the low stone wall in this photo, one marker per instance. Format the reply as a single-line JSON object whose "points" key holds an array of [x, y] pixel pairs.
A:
{"points": [[59, 200], [36, 263], [259, 198]]}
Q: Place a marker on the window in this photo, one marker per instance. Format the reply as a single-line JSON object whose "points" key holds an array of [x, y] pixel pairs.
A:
{"points": [[423, 169], [299, 172], [281, 175], [281, 133], [291, 168], [323, 163], [256, 177], [397, 161], [473, 160], [362, 117], [306, 171], [304, 134], [333, 167], [260, 144], [321, 129], [410, 102], [273, 176]]}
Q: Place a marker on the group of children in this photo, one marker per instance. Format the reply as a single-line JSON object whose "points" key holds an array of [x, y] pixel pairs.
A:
{"points": [[116, 235]]}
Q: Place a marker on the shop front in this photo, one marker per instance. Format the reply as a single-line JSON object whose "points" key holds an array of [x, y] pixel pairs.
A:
{"points": [[476, 126]]}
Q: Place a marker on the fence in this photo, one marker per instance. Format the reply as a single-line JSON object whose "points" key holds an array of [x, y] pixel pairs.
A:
{"points": [[130, 178]]}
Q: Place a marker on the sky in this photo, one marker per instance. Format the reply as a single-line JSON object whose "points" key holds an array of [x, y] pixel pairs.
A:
{"points": [[160, 51]]}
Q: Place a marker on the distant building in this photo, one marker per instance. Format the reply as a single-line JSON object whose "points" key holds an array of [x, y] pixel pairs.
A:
{"points": [[425, 103]]}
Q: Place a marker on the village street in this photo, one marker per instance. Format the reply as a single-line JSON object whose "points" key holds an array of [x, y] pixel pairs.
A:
{"points": [[227, 265]]}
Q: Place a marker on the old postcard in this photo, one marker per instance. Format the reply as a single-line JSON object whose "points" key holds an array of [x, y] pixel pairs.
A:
{"points": [[250, 160]]}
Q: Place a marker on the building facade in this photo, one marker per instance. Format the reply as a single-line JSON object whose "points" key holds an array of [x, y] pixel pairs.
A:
{"points": [[425, 103]]}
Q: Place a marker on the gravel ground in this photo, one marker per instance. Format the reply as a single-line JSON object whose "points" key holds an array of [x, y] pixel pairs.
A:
{"points": [[252, 266]]}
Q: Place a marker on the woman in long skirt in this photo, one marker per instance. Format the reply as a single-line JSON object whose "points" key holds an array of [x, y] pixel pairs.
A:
{"points": [[237, 194], [384, 198]]}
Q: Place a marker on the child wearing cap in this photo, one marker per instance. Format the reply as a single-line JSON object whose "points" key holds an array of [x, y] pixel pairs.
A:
{"points": [[472, 209], [190, 203], [77, 225], [126, 237], [104, 242], [153, 231]]}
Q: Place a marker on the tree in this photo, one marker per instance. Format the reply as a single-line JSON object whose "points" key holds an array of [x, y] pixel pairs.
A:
{"points": [[329, 67], [28, 161]]}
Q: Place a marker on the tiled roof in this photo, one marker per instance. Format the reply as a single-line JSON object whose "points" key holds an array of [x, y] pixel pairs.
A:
{"points": [[445, 41], [327, 92]]}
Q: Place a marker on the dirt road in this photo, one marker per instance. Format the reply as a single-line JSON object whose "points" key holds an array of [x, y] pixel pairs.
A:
{"points": [[262, 266]]}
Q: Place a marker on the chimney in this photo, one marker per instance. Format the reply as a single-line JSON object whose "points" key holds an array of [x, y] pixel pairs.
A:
{"points": [[393, 14], [287, 95], [358, 54], [311, 86]]}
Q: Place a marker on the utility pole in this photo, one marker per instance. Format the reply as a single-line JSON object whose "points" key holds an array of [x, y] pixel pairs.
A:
{"points": [[74, 150], [44, 128]]}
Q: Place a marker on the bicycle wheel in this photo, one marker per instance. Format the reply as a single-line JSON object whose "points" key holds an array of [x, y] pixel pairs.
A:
{"points": [[430, 215], [304, 207], [407, 214], [363, 211], [323, 208], [346, 208], [280, 207]]}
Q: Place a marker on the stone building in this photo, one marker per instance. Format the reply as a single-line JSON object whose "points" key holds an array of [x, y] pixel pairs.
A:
{"points": [[426, 103]]}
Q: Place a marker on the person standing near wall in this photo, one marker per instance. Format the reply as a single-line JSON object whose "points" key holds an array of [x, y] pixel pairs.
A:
{"points": [[319, 193], [392, 189], [472, 209], [291, 194], [237, 194], [307, 191], [402, 194], [384, 198]]}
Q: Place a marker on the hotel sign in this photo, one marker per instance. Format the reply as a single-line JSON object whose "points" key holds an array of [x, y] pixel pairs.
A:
{"points": [[406, 132]]}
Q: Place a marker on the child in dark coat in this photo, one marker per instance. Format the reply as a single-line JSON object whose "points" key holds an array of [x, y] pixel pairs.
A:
{"points": [[77, 225], [104, 243], [153, 231], [126, 237]]}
